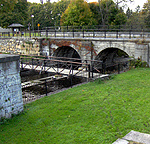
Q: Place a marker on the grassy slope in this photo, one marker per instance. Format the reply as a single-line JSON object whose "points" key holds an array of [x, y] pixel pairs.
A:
{"points": [[90, 113]]}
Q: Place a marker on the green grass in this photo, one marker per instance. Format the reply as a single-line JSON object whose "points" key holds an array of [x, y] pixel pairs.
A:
{"points": [[97, 112]]}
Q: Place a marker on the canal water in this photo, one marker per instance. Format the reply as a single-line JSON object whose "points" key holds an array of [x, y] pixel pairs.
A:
{"points": [[47, 86]]}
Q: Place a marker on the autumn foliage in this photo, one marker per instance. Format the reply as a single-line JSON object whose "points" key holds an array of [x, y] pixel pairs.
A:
{"points": [[78, 13]]}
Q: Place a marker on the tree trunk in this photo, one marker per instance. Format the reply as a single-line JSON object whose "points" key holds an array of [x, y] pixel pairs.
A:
{"points": [[103, 23]]}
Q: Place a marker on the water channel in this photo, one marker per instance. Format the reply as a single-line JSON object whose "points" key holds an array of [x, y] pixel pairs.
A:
{"points": [[41, 84]]}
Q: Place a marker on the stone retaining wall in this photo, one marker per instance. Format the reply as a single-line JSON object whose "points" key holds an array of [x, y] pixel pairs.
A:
{"points": [[20, 45], [10, 86]]}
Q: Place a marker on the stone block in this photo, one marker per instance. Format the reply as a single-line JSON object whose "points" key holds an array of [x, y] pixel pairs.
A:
{"points": [[120, 141], [138, 137]]}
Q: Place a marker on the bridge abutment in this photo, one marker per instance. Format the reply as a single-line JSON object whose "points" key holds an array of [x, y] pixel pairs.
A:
{"points": [[142, 52]]}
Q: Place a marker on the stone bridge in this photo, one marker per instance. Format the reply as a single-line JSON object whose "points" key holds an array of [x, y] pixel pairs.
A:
{"points": [[84, 48], [96, 48]]}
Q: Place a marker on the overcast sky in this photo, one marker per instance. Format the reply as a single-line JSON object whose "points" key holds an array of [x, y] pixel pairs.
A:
{"points": [[132, 5]]}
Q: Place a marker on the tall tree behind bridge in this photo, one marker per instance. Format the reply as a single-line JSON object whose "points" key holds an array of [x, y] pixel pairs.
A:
{"points": [[135, 19], [146, 13], [39, 11], [111, 14], [122, 3], [100, 9], [94, 6], [47, 14], [78, 13], [59, 8]]}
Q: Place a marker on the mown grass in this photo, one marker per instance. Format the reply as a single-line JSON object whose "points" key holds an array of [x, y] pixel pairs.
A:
{"points": [[97, 112]]}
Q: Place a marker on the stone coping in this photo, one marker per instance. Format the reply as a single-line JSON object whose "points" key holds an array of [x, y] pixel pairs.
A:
{"points": [[81, 38], [8, 58], [135, 137]]}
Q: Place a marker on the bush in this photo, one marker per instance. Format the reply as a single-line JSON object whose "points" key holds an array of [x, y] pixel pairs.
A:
{"points": [[135, 63], [99, 81], [112, 76]]}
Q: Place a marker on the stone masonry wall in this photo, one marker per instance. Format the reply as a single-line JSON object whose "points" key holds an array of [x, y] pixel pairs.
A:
{"points": [[20, 46], [141, 51], [86, 48], [10, 86], [89, 49]]}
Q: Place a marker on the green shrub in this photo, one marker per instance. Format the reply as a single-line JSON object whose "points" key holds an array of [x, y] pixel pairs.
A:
{"points": [[99, 81], [112, 76], [135, 63]]}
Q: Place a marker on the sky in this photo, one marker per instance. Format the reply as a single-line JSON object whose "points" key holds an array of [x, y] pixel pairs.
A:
{"points": [[132, 5]]}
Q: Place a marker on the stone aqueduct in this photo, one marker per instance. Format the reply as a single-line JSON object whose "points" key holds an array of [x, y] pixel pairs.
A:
{"points": [[91, 48], [84, 48]]}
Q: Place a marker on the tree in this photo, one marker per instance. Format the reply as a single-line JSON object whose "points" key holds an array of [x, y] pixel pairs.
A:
{"points": [[38, 10], [100, 9], [134, 19], [78, 13], [7, 5], [120, 19], [146, 12], [94, 6], [59, 8], [17, 15], [109, 12], [128, 13], [47, 14], [122, 2]]}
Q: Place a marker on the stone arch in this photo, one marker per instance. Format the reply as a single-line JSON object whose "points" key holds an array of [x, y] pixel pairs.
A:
{"points": [[115, 45], [66, 51], [111, 55]]}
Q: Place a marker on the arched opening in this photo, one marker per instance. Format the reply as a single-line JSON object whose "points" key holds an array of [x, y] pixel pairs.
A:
{"points": [[111, 57], [67, 53]]}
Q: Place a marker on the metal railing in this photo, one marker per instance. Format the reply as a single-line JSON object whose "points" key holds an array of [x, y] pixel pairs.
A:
{"points": [[120, 31], [63, 70]]}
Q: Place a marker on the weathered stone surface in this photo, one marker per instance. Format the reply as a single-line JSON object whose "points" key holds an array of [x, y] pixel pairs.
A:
{"points": [[20, 45], [138, 137], [10, 86], [120, 141], [134, 137], [86, 47]]}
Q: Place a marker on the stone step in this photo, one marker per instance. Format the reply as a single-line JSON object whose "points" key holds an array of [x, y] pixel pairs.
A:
{"points": [[135, 138]]}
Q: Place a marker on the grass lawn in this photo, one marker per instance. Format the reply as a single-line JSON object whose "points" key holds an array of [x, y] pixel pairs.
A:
{"points": [[97, 112]]}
